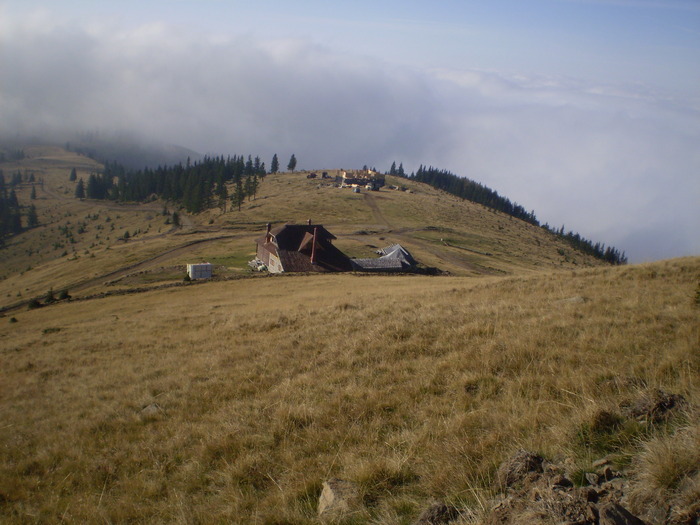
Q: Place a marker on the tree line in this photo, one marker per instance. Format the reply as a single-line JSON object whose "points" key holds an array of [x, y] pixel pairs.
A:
{"points": [[196, 186], [11, 211], [476, 192]]}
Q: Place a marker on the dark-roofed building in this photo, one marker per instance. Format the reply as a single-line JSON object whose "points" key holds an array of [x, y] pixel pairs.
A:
{"points": [[394, 258], [301, 248]]}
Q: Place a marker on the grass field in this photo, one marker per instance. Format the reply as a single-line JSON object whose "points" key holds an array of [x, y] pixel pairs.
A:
{"points": [[259, 389], [233, 400]]}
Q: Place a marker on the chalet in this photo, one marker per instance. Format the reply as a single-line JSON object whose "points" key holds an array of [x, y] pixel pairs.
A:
{"points": [[394, 258], [301, 248]]}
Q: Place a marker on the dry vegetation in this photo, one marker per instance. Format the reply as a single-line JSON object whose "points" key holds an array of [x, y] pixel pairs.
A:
{"points": [[415, 387], [232, 401]]}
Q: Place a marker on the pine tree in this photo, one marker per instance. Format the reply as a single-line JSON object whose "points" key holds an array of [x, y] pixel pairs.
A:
{"points": [[33, 195], [80, 190], [292, 163], [73, 175], [32, 217], [275, 165], [238, 195]]}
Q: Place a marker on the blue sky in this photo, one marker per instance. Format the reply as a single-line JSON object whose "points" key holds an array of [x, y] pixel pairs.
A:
{"points": [[586, 111]]}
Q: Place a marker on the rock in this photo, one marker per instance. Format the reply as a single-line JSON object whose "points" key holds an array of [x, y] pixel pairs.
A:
{"points": [[592, 478], [588, 494], [561, 482], [338, 498], [608, 474], [438, 513], [514, 470], [614, 514]]}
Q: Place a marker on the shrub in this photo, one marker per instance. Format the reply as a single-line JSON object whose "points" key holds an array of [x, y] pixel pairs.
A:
{"points": [[33, 304]]}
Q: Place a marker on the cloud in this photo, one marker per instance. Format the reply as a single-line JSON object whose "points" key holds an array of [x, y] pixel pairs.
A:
{"points": [[618, 164]]}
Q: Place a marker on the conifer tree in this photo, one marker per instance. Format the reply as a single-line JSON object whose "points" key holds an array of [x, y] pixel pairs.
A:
{"points": [[275, 164], [32, 217], [73, 175], [292, 163], [80, 190]]}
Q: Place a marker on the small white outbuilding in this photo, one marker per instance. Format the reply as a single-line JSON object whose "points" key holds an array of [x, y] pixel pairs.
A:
{"points": [[200, 271]]}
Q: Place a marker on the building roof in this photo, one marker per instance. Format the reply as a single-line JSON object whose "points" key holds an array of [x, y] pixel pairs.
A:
{"points": [[396, 251], [394, 258], [294, 244]]}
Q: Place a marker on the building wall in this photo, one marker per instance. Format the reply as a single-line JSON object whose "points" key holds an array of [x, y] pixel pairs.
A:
{"points": [[200, 271], [274, 265]]}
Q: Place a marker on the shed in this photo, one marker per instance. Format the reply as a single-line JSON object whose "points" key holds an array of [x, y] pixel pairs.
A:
{"points": [[200, 271], [394, 258]]}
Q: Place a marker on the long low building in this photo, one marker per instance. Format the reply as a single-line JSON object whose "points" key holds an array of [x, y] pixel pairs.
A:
{"points": [[394, 258]]}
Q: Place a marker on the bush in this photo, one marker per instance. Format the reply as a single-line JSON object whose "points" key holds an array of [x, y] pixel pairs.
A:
{"points": [[33, 304]]}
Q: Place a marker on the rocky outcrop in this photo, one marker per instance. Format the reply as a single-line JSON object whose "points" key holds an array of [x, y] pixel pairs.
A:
{"points": [[536, 490]]}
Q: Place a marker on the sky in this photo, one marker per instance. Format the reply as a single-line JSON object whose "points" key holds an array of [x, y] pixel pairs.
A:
{"points": [[585, 111]]}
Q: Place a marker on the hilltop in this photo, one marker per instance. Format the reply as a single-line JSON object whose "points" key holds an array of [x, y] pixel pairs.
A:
{"points": [[80, 244]]}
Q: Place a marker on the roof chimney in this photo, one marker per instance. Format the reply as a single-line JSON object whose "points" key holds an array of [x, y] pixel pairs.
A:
{"points": [[308, 222], [267, 234]]}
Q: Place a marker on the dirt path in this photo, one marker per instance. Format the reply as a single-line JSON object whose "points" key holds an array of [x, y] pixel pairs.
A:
{"points": [[378, 215], [110, 276]]}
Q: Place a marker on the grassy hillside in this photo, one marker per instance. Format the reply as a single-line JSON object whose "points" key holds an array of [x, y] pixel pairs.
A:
{"points": [[257, 390], [233, 400], [80, 245]]}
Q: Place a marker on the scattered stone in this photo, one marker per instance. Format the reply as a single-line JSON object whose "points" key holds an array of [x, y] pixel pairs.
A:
{"points": [[438, 513], [608, 473], [561, 482], [592, 478], [338, 498], [614, 514], [654, 406], [514, 470]]}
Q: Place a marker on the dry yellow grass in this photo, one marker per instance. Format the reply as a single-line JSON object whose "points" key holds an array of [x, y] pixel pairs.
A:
{"points": [[414, 387]]}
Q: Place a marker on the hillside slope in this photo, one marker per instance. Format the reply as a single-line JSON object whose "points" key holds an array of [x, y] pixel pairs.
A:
{"points": [[233, 401], [80, 244]]}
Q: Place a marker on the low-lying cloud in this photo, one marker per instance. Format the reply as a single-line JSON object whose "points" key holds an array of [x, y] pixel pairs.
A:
{"points": [[619, 165]]}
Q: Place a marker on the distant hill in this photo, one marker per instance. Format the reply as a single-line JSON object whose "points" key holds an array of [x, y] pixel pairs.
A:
{"points": [[126, 149]]}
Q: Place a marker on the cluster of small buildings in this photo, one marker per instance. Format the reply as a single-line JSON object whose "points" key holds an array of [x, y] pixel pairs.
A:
{"points": [[368, 179]]}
